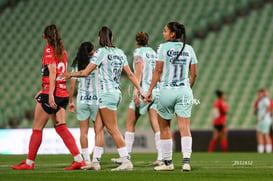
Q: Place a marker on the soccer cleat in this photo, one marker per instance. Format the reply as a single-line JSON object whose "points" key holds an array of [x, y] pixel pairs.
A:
{"points": [[23, 166], [126, 165], [117, 160], [92, 166], [186, 167], [164, 167], [156, 163], [75, 165]]}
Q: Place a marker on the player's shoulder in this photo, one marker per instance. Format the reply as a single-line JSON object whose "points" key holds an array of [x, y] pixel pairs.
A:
{"points": [[119, 51], [149, 49], [48, 49]]}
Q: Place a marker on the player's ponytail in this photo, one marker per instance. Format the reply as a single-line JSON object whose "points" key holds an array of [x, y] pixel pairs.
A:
{"points": [[142, 38], [54, 39], [105, 35], [180, 33], [83, 55]]}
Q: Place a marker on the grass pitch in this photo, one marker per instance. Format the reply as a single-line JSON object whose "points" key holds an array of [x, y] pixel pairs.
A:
{"points": [[205, 166]]}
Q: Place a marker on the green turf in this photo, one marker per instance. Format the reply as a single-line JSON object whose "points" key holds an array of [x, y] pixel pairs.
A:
{"points": [[205, 166]]}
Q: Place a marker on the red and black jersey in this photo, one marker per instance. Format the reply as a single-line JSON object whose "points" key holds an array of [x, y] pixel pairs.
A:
{"points": [[222, 109], [61, 65]]}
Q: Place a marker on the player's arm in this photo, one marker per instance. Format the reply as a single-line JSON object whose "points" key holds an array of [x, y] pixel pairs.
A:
{"points": [[138, 74], [72, 106], [52, 84], [255, 107], [83, 73], [225, 110], [134, 80], [156, 77], [193, 74]]}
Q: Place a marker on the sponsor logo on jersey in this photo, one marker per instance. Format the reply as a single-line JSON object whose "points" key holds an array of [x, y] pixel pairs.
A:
{"points": [[114, 57], [172, 53]]}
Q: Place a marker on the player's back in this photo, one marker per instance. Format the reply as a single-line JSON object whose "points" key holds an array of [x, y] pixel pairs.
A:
{"points": [[110, 61], [176, 70], [146, 55]]}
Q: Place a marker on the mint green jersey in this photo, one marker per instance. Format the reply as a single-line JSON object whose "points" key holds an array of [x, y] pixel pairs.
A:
{"points": [[175, 71], [88, 88], [146, 56], [110, 61]]}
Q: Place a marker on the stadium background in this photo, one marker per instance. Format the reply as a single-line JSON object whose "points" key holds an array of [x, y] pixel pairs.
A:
{"points": [[233, 41]]}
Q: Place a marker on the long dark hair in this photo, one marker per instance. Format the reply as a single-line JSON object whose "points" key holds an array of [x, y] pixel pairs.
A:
{"points": [[180, 31], [54, 39], [142, 38], [105, 35], [82, 58]]}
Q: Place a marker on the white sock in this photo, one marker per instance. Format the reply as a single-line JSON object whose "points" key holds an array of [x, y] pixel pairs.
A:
{"points": [[166, 147], [260, 148], [123, 153], [78, 158], [85, 153], [157, 145], [129, 140], [98, 151], [186, 145], [29, 162], [268, 148]]}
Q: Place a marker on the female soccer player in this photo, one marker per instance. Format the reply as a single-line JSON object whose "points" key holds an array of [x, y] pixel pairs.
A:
{"points": [[175, 60], [87, 103], [110, 61], [263, 122], [220, 110], [52, 101], [143, 64]]}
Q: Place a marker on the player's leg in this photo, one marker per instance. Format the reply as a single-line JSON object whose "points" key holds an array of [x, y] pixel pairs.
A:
{"points": [[84, 127], [268, 144], [260, 141], [59, 121], [40, 120], [186, 141], [214, 139], [166, 144], [132, 117], [99, 142], [84, 113], [223, 139], [109, 119], [153, 116], [129, 136], [267, 139]]}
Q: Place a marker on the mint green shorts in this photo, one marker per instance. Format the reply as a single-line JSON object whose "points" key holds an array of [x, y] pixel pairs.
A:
{"points": [[177, 101], [264, 126], [110, 100], [85, 111], [143, 108]]}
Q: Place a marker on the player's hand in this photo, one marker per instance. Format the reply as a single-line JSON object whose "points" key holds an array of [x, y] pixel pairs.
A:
{"points": [[65, 75], [51, 102], [72, 107], [36, 96], [143, 96], [149, 96], [136, 99]]}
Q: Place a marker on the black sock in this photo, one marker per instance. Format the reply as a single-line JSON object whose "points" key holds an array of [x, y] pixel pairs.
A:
{"points": [[186, 160], [168, 162]]}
